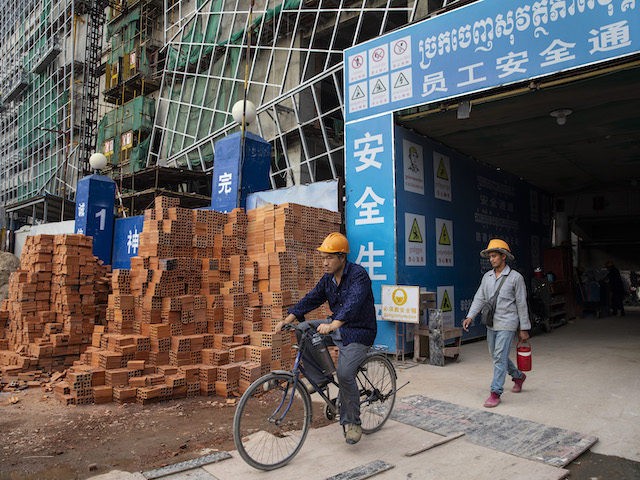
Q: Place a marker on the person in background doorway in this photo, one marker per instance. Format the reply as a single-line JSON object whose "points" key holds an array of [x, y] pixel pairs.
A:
{"points": [[616, 289], [510, 314], [352, 327]]}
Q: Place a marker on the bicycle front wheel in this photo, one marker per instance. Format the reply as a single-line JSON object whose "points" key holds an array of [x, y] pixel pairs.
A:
{"points": [[377, 383], [271, 421]]}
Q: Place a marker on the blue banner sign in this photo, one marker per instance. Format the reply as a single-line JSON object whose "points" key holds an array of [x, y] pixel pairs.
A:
{"points": [[370, 206], [226, 175], [483, 45], [235, 176], [126, 240], [95, 199]]}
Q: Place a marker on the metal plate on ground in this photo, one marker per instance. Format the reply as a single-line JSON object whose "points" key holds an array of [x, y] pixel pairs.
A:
{"points": [[188, 465], [516, 436], [363, 471]]}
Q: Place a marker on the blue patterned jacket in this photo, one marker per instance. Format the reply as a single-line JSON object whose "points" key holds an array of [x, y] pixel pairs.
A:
{"points": [[351, 302]]}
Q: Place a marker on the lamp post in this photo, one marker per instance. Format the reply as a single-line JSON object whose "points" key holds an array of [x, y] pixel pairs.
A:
{"points": [[243, 112], [97, 161]]}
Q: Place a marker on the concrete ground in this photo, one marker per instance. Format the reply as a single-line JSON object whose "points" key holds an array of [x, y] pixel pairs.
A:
{"points": [[584, 378]]}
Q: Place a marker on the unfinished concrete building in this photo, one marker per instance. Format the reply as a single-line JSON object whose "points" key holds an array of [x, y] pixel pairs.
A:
{"points": [[49, 70], [151, 83]]}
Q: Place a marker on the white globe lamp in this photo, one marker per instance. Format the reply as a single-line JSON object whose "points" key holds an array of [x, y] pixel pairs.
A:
{"points": [[250, 112], [97, 161]]}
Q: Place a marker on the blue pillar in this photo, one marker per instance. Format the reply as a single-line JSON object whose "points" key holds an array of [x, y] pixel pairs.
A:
{"points": [[233, 178], [95, 201]]}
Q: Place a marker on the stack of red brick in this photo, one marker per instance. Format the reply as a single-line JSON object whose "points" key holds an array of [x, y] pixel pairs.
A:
{"points": [[55, 298], [194, 315]]}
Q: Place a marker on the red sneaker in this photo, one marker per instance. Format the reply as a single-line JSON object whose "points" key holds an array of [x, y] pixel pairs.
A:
{"points": [[517, 384], [492, 401]]}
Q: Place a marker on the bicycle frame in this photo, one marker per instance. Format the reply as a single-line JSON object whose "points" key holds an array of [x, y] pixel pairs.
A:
{"points": [[295, 372], [298, 368], [372, 394]]}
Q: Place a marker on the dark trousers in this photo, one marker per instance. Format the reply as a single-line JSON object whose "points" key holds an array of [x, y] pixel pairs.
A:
{"points": [[350, 358]]}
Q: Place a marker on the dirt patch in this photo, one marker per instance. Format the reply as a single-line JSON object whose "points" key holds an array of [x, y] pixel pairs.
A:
{"points": [[43, 439], [593, 466]]}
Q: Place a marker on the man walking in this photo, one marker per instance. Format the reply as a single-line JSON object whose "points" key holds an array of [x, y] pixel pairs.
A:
{"points": [[510, 314]]}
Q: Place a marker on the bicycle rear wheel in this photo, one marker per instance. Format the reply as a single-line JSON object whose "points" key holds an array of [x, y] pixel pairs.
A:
{"points": [[376, 380], [271, 421]]}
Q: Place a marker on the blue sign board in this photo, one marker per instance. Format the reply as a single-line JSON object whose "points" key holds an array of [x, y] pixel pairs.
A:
{"points": [[234, 177], [370, 206], [126, 240], [95, 200], [483, 45]]}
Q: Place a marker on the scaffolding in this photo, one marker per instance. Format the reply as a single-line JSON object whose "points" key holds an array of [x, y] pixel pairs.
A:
{"points": [[43, 106], [133, 64], [295, 78], [181, 63]]}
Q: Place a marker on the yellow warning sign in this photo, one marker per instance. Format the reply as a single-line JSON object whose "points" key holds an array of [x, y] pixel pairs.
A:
{"points": [[415, 235], [442, 171], [445, 306], [444, 236]]}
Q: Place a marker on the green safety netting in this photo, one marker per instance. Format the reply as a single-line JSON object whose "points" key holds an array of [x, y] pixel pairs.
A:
{"points": [[124, 31], [135, 115], [177, 58], [39, 116], [39, 112], [196, 105]]}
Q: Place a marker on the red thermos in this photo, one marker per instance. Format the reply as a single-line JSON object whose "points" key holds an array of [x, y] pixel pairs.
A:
{"points": [[523, 352]]}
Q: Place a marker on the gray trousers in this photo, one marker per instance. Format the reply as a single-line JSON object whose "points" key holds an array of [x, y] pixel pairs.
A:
{"points": [[351, 356]]}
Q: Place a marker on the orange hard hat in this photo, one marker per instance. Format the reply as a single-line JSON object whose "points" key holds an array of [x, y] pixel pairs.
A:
{"points": [[335, 242], [497, 245]]}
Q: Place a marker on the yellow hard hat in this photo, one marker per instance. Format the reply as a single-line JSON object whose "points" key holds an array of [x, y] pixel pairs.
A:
{"points": [[497, 245], [335, 242]]}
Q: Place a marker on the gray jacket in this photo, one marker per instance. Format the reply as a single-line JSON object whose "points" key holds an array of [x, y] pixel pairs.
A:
{"points": [[511, 307]]}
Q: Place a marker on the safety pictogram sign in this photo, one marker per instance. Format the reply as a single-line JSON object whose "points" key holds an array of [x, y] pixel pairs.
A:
{"points": [[444, 236], [415, 235], [357, 67], [442, 171], [401, 86], [415, 245], [358, 96], [401, 303], [401, 52], [445, 306], [379, 88], [441, 176], [444, 242], [379, 60], [446, 303]]}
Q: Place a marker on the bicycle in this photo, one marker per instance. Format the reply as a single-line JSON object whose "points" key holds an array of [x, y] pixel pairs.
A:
{"points": [[274, 414]]}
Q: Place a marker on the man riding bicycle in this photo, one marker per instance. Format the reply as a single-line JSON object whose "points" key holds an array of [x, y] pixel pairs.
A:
{"points": [[352, 327]]}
